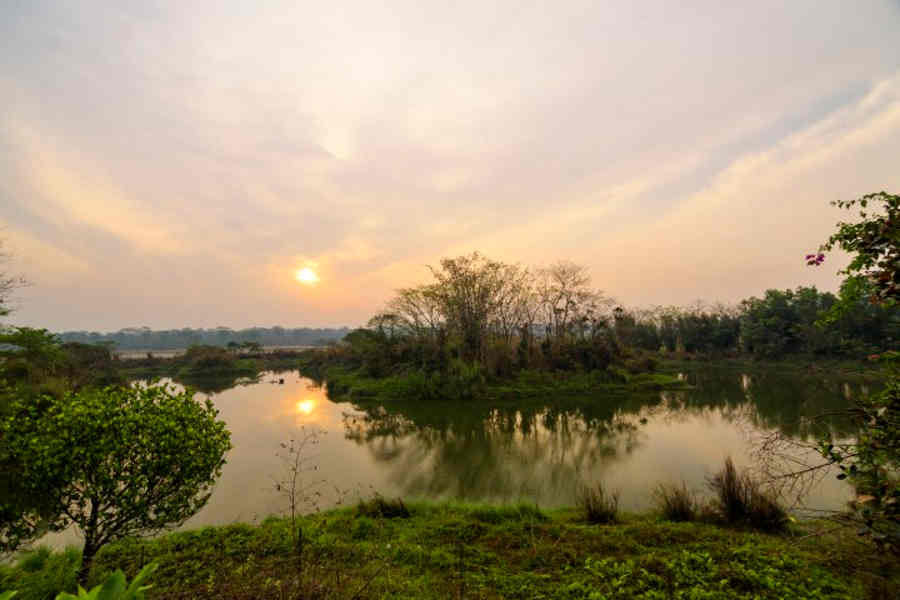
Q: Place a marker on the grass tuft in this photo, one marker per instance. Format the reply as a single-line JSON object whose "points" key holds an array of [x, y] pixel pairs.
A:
{"points": [[742, 500], [379, 507], [598, 505], [676, 503]]}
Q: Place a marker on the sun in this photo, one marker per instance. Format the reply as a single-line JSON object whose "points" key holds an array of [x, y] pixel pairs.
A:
{"points": [[306, 407], [306, 276]]}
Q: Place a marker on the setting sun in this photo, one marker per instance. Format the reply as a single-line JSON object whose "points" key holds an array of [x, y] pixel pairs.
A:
{"points": [[307, 276], [306, 406]]}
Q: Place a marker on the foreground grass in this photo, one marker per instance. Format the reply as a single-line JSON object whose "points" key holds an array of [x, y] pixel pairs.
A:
{"points": [[456, 551]]}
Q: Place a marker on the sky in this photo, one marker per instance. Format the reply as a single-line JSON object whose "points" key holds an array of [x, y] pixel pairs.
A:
{"points": [[172, 164]]}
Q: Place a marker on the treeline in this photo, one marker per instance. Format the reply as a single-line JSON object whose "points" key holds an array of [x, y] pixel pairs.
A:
{"points": [[800, 321], [500, 318], [144, 338]]}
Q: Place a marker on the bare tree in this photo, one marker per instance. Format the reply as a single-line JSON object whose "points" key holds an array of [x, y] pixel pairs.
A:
{"points": [[419, 311], [8, 283], [466, 289], [567, 298]]}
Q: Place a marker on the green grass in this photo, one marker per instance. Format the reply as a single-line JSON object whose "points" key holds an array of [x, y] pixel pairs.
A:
{"points": [[471, 551], [349, 384]]}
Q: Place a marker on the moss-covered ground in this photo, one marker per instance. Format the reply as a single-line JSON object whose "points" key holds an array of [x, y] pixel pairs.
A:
{"points": [[463, 551]]}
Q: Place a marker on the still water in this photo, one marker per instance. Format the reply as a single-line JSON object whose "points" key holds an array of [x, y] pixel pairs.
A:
{"points": [[508, 453]]}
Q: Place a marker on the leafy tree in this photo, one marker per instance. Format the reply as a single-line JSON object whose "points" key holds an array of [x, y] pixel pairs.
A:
{"points": [[29, 355], [872, 461], [873, 243], [115, 462]]}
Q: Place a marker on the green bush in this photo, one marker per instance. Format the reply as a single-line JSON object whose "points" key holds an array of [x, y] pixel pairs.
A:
{"points": [[114, 588], [379, 507], [41, 573]]}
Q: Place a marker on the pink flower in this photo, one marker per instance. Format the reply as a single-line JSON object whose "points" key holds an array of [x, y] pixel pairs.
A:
{"points": [[814, 260]]}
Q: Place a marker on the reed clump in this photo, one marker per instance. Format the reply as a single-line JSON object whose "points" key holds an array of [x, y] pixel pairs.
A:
{"points": [[677, 503], [598, 505], [740, 499]]}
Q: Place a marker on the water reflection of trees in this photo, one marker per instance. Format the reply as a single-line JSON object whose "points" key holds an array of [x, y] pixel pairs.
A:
{"points": [[542, 450], [797, 405], [489, 453]]}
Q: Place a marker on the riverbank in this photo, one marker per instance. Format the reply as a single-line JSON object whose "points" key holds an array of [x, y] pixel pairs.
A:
{"points": [[422, 550]]}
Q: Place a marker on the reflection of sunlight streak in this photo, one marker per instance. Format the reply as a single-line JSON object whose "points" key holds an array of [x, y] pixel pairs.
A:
{"points": [[306, 407]]}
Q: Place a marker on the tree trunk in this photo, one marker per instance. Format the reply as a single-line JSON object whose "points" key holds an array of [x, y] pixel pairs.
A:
{"points": [[90, 545], [87, 560]]}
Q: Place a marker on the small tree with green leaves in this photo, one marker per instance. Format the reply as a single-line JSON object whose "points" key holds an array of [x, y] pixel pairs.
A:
{"points": [[872, 461], [115, 462]]}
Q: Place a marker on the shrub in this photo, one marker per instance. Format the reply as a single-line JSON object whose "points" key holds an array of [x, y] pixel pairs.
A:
{"points": [[114, 587], [117, 462], [598, 505], [676, 503], [742, 500], [379, 507], [41, 573]]}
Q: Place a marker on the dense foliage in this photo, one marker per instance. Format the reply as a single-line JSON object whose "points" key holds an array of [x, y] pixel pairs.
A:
{"points": [[114, 461], [872, 460], [144, 338], [780, 323]]}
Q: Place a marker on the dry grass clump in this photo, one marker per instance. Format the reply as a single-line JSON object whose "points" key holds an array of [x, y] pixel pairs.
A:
{"points": [[677, 503], [598, 505], [742, 500]]}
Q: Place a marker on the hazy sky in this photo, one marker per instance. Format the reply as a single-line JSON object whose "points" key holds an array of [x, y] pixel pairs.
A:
{"points": [[174, 163]]}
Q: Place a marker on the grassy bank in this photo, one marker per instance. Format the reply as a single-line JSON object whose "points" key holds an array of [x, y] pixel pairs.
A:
{"points": [[463, 551], [352, 385]]}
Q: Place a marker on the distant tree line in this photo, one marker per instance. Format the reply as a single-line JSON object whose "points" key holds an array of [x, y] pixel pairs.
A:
{"points": [[782, 322], [144, 338]]}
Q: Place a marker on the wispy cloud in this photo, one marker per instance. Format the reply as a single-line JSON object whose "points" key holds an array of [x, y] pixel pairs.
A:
{"points": [[175, 163]]}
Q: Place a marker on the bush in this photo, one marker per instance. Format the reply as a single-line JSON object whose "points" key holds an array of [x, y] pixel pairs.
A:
{"points": [[676, 503], [598, 505], [41, 573], [116, 462], [379, 507], [741, 500]]}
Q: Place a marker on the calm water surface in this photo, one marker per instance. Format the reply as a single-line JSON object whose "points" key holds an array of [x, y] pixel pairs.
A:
{"points": [[520, 451], [537, 453]]}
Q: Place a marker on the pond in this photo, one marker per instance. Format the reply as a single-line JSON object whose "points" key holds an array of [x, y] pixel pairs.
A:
{"points": [[526, 451], [537, 452]]}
